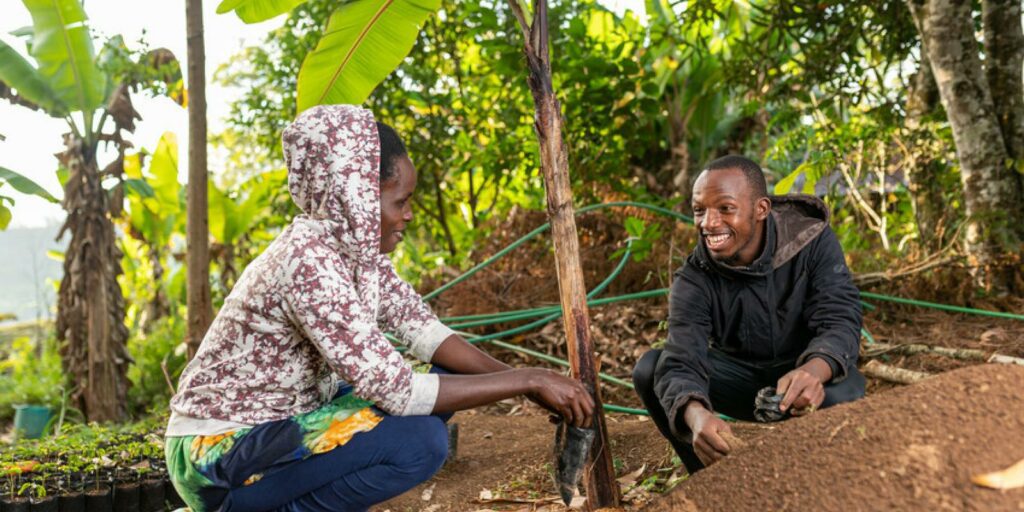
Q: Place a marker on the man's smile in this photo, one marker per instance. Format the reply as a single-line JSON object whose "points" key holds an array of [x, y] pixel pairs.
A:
{"points": [[717, 241]]}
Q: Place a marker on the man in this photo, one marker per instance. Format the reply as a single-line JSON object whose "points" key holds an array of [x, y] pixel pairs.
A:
{"points": [[766, 299]]}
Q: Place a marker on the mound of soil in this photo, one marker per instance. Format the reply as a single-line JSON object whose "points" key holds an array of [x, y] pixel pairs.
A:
{"points": [[910, 448]]}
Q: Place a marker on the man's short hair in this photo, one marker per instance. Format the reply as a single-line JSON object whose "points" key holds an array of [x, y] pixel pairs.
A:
{"points": [[751, 171]]}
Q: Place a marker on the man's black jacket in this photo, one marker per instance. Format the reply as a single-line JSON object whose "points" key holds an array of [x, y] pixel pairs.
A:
{"points": [[794, 302]]}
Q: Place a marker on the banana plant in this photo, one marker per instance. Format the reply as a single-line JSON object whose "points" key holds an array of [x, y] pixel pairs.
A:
{"points": [[364, 42], [20, 184], [69, 80], [155, 214], [233, 216]]}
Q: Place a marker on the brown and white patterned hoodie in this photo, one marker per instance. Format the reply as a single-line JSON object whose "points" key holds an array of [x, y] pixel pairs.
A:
{"points": [[313, 308]]}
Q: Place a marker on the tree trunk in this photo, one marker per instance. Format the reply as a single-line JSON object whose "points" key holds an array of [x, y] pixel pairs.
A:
{"points": [[157, 307], [991, 192], [90, 316], [200, 310], [923, 168], [599, 475], [1004, 57]]}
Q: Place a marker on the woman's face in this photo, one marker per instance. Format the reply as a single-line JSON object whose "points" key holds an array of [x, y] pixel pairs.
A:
{"points": [[396, 204]]}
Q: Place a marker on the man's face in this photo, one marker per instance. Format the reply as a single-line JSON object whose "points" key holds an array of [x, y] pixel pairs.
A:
{"points": [[396, 204], [730, 221]]}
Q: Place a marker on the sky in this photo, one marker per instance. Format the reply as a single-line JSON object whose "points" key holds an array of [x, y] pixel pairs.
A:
{"points": [[33, 138]]}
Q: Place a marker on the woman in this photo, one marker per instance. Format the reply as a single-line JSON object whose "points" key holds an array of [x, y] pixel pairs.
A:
{"points": [[295, 400]]}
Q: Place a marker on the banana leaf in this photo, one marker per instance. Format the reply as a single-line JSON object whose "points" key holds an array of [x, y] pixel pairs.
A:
{"points": [[255, 11], [365, 41], [25, 185], [18, 74], [62, 46]]}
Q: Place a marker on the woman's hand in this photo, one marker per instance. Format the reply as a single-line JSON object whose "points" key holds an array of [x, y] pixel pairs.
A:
{"points": [[562, 395]]}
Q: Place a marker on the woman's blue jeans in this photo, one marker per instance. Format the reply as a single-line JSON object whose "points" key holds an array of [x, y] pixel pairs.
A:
{"points": [[398, 454]]}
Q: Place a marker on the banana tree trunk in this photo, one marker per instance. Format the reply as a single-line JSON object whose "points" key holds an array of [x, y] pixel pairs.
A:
{"points": [[599, 475], [90, 315]]}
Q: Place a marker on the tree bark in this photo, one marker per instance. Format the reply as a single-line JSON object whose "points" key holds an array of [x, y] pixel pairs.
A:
{"points": [[1004, 57], [923, 168], [90, 316], [599, 475], [991, 192], [157, 307], [200, 309]]}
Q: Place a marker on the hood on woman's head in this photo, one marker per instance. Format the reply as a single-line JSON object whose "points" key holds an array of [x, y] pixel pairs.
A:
{"points": [[333, 158]]}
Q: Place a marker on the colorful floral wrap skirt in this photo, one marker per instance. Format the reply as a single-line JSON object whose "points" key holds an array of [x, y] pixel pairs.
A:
{"points": [[205, 468]]}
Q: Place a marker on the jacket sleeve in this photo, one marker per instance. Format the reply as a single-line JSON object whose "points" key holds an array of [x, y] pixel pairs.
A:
{"points": [[326, 309], [683, 372], [832, 308], [403, 313]]}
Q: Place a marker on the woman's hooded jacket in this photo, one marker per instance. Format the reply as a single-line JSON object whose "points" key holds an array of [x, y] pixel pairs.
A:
{"points": [[313, 308]]}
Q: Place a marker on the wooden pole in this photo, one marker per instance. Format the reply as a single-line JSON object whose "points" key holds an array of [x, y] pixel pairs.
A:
{"points": [[599, 475], [200, 309]]}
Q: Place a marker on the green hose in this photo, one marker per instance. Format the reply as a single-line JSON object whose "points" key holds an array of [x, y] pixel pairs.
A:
{"points": [[545, 227], [944, 307]]}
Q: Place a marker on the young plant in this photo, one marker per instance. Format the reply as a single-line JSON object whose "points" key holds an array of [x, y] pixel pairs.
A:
{"points": [[13, 474]]}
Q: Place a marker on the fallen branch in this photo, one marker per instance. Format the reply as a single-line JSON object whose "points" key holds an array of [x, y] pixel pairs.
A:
{"points": [[888, 373], [963, 354], [167, 375], [1001, 359], [943, 256], [872, 278]]}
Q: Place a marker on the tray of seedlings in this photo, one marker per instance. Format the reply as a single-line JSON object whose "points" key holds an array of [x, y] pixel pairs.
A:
{"points": [[88, 469]]}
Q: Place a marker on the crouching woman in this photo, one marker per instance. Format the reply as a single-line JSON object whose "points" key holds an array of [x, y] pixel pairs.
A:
{"points": [[295, 399]]}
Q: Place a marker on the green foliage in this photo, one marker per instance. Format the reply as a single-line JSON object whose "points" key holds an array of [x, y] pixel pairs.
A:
{"points": [[642, 236], [162, 347], [25, 185], [62, 46], [30, 84], [363, 43], [255, 11], [21, 184], [31, 374]]}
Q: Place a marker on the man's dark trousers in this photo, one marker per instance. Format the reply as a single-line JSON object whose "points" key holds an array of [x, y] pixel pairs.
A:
{"points": [[733, 388]]}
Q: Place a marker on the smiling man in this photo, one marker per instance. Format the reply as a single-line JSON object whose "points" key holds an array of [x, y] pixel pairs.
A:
{"points": [[765, 300]]}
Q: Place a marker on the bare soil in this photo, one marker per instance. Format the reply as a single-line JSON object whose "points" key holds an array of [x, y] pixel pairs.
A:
{"points": [[912, 448], [508, 459]]}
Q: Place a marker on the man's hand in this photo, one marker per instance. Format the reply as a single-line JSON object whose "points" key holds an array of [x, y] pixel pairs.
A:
{"points": [[803, 389], [707, 443]]}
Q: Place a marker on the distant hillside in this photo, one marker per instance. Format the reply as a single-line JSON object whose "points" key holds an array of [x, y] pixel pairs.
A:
{"points": [[27, 274]]}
